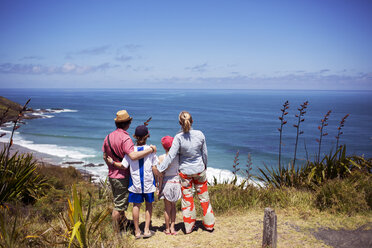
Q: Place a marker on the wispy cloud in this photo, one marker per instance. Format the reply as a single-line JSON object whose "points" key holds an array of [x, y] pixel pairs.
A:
{"points": [[198, 68], [132, 47], [67, 68], [324, 71], [138, 68], [123, 51], [127, 52], [93, 51], [123, 58], [295, 80], [32, 58]]}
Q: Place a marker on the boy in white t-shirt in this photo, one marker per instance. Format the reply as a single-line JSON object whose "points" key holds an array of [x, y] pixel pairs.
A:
{"points": [[141, 182]]}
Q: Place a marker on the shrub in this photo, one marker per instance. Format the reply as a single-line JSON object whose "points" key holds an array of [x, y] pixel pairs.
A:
{"points": [[224, 197], [59, 177], [231, 197], [363, 182], [341, 196], [51, 204], [272, 197]]}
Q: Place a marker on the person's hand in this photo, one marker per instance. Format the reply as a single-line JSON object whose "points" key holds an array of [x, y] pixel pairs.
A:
{"points": [[154, 148], [110, 160], [156, 172]]}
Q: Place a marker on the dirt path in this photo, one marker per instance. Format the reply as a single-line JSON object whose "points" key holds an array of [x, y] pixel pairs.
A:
{"points": [[240, 230], [360, 237]]}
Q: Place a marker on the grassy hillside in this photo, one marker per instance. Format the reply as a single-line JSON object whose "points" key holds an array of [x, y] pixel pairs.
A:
{"points": [[239, 214], [13, 111]]}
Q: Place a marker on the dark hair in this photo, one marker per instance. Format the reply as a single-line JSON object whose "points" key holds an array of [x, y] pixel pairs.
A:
{"points": [[141, 140], [123, 125]]}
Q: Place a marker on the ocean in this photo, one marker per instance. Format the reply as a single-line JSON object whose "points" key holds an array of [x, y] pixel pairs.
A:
{"points": [[232, 120]]}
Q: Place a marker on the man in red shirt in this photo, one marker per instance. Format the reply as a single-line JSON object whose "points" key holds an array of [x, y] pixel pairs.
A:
{"points": [[116, 145]]}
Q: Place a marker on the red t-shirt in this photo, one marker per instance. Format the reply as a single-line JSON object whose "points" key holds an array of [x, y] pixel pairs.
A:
{"points": [[122, 144]]}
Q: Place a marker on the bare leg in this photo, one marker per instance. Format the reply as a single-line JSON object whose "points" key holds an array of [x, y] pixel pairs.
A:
{"points": [[136, 211], [117, 218], [173, 217], [167, 215], [123, 220], [148, 218]]}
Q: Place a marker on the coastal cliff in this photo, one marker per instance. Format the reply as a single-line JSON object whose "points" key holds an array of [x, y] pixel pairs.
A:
{"points": [[12, 107], [9, 111]]}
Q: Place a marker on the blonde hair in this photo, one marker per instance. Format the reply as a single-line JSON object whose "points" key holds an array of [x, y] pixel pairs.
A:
{"points": [[185, 120]]}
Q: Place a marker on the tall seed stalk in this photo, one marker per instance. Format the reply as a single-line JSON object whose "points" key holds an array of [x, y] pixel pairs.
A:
{"points": [[248, 166], [342, 123], [282, 123], [236, 163], [15, 127], [2, 120], [321, 128], [299, 116]]}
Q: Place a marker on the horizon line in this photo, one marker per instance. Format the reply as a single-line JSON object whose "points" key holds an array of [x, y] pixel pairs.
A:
{"points": [[204, 89]]}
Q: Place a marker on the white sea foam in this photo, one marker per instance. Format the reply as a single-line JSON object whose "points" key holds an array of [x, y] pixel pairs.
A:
{"points": [[47, 113], [221, 175], [58, 151], [63, 152], [42, 115], [225, 175], [57, 111]]}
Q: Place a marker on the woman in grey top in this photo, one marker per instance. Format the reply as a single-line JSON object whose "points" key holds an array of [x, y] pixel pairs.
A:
{"points": [[191, 147]]}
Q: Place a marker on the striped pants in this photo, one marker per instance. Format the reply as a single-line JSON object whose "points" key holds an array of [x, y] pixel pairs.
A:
{"points": [[199, 182]]}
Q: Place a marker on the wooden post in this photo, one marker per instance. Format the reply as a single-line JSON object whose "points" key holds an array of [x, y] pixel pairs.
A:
{"points": [[269, 229]]}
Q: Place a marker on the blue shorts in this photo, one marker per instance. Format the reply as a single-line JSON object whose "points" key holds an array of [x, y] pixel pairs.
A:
{"points": [[139, 198]]}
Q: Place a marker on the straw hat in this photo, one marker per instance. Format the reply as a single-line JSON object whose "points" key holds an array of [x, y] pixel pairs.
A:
{"points": [[122, 116]]}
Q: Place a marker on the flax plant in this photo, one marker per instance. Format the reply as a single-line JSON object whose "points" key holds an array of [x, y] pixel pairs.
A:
{"points": [[300, 119], [80, 227], [19, 181], [321, 129], [282, 123]]}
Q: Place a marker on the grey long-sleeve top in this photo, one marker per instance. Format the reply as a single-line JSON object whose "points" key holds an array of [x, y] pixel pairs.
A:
{"points": [[192, 150]]}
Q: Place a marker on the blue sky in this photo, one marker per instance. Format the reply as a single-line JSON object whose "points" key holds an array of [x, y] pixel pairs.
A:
{"points": [[186, 44]]}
